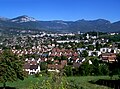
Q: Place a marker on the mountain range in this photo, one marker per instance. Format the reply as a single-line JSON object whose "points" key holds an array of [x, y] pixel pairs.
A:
{"points": [[26, 22]]}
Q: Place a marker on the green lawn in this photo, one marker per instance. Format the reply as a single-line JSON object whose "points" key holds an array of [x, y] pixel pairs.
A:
{"points": [[82, 81], [26, 83]]}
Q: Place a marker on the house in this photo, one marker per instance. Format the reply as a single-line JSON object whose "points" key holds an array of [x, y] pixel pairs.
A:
{"points": [[108, 50], [57, 66], [108, 57], [105, 50], [32, 66], [80, 50], [62, 52], [94, 53], [116, 50]]}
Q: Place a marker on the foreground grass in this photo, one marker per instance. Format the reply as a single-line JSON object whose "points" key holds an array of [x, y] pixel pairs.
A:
{"points": [[26, 83], [85, 84], [82, 81]]}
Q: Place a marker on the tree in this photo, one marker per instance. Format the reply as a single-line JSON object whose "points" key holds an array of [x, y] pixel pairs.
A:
{"points": [[119, 46], [68, 70], [56, 58], [86, 69], [11, 67], [115, 67], [99, 68], [95, 66], [81, 45], [118, 59], [104, 69], [91, 47], [98, 46], [63, 57], [84, 53], [43, 66]]}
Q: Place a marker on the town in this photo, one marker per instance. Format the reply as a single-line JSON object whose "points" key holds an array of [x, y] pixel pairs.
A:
{"points": [[75, 54], [60, 50]]}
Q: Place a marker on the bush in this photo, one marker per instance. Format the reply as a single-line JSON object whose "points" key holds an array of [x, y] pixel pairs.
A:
{"points": [[37, 74], [55, 81], [68, 70]]}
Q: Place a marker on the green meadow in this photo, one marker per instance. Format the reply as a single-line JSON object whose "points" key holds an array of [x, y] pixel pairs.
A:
{"points": [[81, 81]]}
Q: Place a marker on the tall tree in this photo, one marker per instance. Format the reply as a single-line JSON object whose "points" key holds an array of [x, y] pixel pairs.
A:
{"points": [[86, 69], [98, 46], [96, 70], [11, 67]]}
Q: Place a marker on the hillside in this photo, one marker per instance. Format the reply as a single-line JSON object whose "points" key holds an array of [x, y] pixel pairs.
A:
{"points": [[26, 22]]}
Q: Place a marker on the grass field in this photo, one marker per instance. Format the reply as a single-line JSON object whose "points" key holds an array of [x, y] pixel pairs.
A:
{"points": [[26, 83], [82, 81]]}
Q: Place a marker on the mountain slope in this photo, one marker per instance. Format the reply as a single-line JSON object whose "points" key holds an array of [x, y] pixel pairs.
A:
{"points": [[26, 22], [22, 19], [115, 27]]}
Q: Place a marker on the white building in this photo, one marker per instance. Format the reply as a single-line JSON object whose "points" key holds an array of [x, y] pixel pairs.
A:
{"points": [[105, 50]]}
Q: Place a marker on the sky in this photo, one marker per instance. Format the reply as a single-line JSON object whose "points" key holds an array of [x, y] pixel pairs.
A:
{"points": [[69, 10]]}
